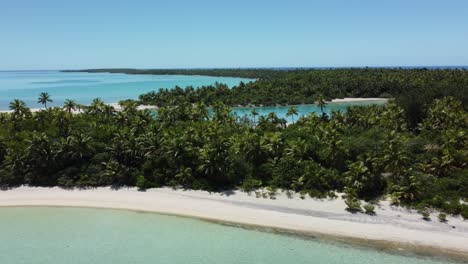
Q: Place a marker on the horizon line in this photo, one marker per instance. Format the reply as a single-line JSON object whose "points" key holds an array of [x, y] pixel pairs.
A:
{"points": [[246, 68]]}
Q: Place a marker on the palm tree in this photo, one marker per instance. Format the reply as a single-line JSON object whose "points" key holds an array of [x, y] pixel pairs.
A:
{"points": [[80, 107], [62, 121], [19, 111], [299, 149], [3, 150], [254, 113], [44, 98], [273, 144], [150, 143], [41, 117], [395, 157], [360, 179], [40, 159], [214, 162], [96, 107], [76, 147], [248, 145], [199, 112], [292, 111], [18, 107], [222, 113], [108, 111], [321, 102], [16, 161], [69, 105], [139, 125], [121, 118], [129, 106], [184, 176], [333, 150]]}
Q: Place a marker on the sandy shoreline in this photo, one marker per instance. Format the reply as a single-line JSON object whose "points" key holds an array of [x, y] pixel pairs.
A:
{"points": [[116, 106], [393, 227], [350, 100], [152, 107]]}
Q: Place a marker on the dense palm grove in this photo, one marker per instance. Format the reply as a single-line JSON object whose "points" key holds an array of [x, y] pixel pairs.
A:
{"points": [[413, 88], [367, 153]]}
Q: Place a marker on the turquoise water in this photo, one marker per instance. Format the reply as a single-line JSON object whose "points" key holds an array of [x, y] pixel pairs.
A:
{"points": [[302, 110], [111, 88], [44, 235], [83, 87]]}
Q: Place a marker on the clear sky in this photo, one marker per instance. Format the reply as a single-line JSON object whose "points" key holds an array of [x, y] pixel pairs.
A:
{"points": [[62, 34]]}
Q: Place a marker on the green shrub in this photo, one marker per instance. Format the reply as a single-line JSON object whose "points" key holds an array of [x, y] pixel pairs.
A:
{"points": [[353, 205], [425, 214], [141, 183], [442, 217], [369, 209], [464, 212], [332, 195], [250, 184]]}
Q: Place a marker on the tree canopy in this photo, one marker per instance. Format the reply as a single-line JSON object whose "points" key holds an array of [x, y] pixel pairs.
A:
{"points": [[367, 152], [195, 141]]}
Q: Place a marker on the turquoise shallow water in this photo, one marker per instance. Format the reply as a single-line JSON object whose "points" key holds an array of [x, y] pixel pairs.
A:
{"points": [[83, 87], [111, 88], [302, 110], [45, 235]]}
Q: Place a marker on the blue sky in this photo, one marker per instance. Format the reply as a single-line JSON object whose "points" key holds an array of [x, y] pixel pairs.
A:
{"points": [[58, 34]]}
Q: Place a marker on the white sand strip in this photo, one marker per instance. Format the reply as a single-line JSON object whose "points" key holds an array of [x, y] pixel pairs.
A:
{"points": [[152, 107], [349, 100], [326, 217], [116, 106]]}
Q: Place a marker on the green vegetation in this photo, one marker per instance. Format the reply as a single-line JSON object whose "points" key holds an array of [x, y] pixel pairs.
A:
{"points": [[425, 214], [243, 73], [367, 153], [442, 217], [414, 89], [353, 205], [44, 98], [369, 209]]}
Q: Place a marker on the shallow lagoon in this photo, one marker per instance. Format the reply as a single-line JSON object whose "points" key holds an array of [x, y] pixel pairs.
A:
{"points": [[302, 110], [111, 88], [78, 235]]}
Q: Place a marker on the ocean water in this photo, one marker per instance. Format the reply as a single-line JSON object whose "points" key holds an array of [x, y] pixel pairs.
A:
{"points": [[84, 87], [111, 88], [46, 235]]}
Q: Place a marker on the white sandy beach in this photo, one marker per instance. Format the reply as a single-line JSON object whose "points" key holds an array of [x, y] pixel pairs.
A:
{"points": [[152, 107], [119, 108], [116, 106], [322, 217], [350, 100]]}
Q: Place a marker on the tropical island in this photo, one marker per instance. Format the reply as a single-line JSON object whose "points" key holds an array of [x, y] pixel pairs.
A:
{"points": [[234, 132], [411, 152]]}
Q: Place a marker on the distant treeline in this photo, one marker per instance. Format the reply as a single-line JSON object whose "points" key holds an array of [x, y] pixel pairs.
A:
{"points": [[241, 73], [413, 89]]}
